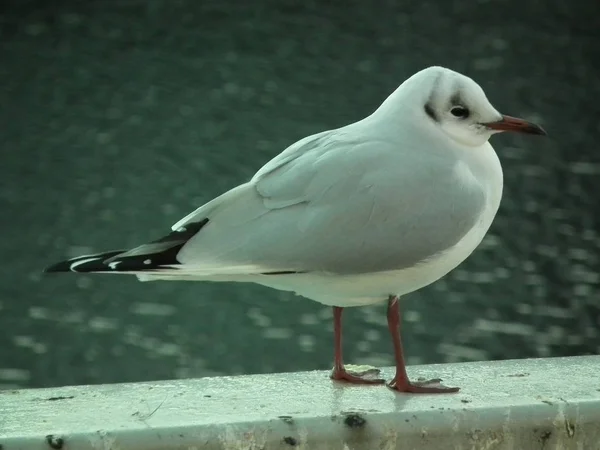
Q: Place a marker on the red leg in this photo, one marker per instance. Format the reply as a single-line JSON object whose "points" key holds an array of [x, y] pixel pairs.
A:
{"points": [[400, 382], [339, 371]]}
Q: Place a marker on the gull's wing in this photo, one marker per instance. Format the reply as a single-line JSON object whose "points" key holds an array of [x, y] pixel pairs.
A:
{"points": [[337, 204], [334, 202]]}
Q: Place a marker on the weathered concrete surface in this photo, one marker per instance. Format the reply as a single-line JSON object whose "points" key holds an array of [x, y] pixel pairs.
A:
{"points": [[518, 404]]}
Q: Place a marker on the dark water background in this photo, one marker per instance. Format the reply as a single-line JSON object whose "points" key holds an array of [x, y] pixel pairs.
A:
{"points": [[119, 117]]}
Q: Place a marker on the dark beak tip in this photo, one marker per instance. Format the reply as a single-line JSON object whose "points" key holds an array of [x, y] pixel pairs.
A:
{"points": [[514, 124]]}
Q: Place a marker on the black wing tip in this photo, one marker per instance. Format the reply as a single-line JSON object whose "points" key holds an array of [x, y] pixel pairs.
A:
{"points": [[282, 272], [184, 233], [85, 263], [145, 262]]}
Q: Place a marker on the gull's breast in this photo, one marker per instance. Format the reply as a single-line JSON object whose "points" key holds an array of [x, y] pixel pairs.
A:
{"points": [[483, 169]]}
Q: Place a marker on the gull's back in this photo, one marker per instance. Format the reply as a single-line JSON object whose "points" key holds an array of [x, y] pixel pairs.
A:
{"points": [[346, 204]]}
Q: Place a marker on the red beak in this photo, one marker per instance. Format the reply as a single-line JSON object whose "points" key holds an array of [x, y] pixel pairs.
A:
{"points": [[508, 123]]}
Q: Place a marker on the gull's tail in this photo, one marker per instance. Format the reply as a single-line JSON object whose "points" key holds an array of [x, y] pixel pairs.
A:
{"points": [[156, 256]]}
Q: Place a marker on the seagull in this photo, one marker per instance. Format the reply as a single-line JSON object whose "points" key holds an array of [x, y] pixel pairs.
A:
{"points": [[357, 215]]}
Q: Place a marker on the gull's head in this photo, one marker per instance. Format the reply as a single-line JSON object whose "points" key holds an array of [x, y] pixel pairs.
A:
{"points": [[456, 105]]}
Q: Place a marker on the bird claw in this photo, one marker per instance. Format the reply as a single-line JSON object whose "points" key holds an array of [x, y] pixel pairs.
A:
{"points": [[357, 375], [433, 386], [362, 370]]}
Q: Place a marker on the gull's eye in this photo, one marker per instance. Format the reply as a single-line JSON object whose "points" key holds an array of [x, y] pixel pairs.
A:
{"points": [[460, 112]]}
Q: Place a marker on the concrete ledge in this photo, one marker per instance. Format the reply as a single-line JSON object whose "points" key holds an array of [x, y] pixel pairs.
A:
{"points": [[518, 404]]}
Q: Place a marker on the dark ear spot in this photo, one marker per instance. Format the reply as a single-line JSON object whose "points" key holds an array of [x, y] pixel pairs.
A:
{"points": [[430, 112], [456, 99]]}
